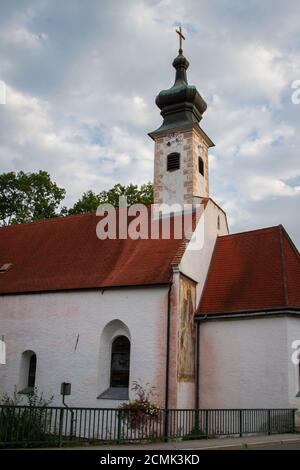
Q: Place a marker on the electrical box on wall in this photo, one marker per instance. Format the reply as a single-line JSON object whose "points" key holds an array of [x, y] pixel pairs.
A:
{"points": [[65, 388]]}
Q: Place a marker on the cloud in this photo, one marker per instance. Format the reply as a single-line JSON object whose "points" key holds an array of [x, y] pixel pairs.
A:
{"points": [[82, 79]]}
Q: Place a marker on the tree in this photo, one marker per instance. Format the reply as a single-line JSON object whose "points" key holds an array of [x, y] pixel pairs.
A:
{"points": [[25, 197], [90, 201]]}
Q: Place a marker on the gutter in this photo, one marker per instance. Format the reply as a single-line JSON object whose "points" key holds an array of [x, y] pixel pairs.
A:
{"points": [[248, 314]]}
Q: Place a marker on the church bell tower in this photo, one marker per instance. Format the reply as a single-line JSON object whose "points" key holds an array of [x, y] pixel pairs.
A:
{"points": [[181, 146]]}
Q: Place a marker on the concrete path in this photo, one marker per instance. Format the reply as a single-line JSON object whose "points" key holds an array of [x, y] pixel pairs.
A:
{"points": [[203, 444]]}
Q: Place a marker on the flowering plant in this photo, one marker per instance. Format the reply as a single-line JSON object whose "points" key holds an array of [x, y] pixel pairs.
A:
{"points": [[143, 408]]}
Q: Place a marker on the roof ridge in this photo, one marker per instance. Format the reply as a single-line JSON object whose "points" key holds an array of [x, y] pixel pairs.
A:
{"points": [[215, 203], [246, 232], [179, 253], [283, 266], [293, 247], [292, 244], [78, 216], [48, 220]]}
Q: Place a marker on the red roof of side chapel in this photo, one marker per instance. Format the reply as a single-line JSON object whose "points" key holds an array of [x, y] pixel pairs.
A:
{"points": [[65, 253], [252, 271]]}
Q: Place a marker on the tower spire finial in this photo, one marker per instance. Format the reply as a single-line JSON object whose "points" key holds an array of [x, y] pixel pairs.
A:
{"points": [[181, 37]]}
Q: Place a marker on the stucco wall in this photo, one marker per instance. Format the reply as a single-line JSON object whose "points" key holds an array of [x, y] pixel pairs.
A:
{"points": [[196, 260], [49, 325], [195, 264], [247, 363], [181, 185], [293, 334]]}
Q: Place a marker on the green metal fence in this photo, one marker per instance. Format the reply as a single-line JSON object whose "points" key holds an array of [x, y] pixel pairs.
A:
{"points": [[28, 426]]}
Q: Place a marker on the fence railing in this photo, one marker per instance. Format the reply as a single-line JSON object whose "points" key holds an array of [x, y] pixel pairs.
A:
{"points": [[28, 426]]}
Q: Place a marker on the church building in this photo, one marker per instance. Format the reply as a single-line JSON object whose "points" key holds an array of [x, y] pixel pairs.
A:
{"points": [[208, 320]]}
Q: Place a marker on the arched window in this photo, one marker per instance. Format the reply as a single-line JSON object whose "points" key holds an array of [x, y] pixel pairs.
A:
{"points": [[218, 223], [28, 372], [120, 359], [31, 371], [201, 166], [173, 161]]}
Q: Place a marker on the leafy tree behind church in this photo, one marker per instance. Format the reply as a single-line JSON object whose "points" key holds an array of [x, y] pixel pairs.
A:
{"points": [[135, 195], [25, 197]]}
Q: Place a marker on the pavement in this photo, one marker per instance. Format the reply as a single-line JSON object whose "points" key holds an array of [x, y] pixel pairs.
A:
{"points": [[235, 443]]}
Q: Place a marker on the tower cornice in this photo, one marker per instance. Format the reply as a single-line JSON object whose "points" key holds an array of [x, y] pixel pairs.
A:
{"points": [[159, 133]]}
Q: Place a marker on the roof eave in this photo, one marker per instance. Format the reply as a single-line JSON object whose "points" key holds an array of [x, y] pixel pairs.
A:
{"points": [[248, 313]]}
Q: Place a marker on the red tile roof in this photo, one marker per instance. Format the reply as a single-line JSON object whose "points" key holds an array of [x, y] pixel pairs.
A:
{"points": [[65, 253], [252, 271]]}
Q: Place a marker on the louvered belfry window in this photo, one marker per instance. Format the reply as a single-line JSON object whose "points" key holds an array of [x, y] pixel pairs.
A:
{"points": [[173, 161]]}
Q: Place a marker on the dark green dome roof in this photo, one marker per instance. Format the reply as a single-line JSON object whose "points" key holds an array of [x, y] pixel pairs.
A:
{"points": [[182, 103]]}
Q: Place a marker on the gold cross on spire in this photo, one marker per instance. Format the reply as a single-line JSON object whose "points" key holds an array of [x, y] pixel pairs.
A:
{"points": [[181, 37]]}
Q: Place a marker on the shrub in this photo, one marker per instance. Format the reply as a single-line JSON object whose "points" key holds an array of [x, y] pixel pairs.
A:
{"points": [[23, 419], [143, 409]]}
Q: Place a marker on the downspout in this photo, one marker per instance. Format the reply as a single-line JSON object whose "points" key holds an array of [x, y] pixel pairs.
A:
{"points": [[168, 347], [166, 427], [197, 391], [197, 364]]}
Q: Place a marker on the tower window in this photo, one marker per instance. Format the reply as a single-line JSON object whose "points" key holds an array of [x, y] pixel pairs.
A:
{"points": [[173, 161], [201, 166], [120, 358]]}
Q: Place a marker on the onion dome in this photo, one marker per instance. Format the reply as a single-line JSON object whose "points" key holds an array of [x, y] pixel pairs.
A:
{"points": [[181, 104]]}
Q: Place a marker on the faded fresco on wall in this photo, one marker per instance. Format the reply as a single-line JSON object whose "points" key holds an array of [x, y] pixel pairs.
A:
{"points": [[186, 331]]}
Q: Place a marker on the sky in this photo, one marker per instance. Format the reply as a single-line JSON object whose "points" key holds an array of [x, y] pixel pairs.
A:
{"points": [[81, 79]]}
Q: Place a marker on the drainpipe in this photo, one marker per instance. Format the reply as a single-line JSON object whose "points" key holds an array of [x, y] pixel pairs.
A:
{"points": [[197, 391], [197, 364], [168, 347], [168, 362]]}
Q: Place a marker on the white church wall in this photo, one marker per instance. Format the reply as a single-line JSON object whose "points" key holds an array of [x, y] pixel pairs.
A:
{"points": [[49, 325], [195, 264], [244, 363], [186, 395], [293, 334]]}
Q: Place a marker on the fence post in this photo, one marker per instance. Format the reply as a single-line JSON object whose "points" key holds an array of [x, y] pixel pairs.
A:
{"points": [[241, 423], [119, 426], [61, 422], [206, 424], [197, 421], [294, 421], [269, 422], [166, 426], [71, 424]]}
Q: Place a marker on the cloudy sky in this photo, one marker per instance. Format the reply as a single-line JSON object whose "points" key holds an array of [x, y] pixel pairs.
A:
{"points": [[82, 77]]}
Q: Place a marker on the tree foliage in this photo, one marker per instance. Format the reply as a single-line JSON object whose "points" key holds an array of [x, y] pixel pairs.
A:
{"points": [[25, 197], [135, 195]]}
